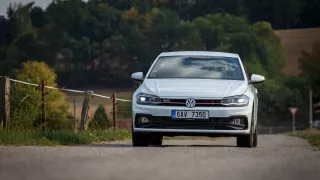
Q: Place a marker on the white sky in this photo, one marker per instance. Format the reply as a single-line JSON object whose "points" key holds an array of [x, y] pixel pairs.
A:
{"points": [[5, 3]]}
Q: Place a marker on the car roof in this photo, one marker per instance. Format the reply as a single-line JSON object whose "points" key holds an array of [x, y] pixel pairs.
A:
{"points": [[197, 53]]}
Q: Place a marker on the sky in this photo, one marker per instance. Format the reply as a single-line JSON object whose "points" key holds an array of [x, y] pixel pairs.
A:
{"points": [[5, 3]]}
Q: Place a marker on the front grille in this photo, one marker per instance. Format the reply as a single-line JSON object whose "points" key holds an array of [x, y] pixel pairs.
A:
{"points": [[211, 124], [199, 102]]}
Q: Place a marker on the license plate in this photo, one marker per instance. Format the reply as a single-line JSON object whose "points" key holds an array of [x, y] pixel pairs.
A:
{"points": [[175, 114]]}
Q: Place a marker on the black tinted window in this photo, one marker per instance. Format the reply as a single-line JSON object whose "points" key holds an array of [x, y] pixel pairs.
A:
{"points": [[197, 67]]}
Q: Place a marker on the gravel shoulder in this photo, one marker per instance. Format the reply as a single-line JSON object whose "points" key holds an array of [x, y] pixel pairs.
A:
{"points": [[276, 157]]}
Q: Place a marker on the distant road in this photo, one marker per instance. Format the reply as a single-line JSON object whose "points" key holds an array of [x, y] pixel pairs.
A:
{"points": [[277, 157]]}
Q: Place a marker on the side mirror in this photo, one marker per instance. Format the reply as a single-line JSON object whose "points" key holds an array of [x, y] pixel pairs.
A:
{"points": [[138, 76], [255, 78]]}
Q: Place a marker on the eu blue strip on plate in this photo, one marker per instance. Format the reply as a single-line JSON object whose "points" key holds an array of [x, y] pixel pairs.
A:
{"points": [[173, 114]]}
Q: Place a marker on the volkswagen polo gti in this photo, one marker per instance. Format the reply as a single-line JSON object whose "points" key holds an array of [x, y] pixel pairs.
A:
{"points": [[195, 93]]}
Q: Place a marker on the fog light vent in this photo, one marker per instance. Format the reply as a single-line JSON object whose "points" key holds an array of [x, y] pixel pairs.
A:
{"points": [[237, 121], [143, 120]]}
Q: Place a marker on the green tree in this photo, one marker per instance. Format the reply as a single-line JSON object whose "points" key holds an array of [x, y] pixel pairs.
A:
{"points": [[309, 64], [26, 99], [100, 119]]}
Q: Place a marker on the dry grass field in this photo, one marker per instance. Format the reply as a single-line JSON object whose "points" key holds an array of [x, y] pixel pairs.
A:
{"points": [[294, 41], [107, 103]]}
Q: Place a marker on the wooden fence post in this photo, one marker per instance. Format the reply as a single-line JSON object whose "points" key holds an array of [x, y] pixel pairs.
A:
{"points": [[85, 110], [114, 110], [75, 114], [4, 101], [43, 105]]}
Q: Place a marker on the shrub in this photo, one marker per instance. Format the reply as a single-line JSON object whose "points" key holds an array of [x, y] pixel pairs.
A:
{"points": [[100, 119], [26, 99]]}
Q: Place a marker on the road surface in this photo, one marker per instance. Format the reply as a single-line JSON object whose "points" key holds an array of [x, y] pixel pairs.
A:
{"points": [[276, 157]]}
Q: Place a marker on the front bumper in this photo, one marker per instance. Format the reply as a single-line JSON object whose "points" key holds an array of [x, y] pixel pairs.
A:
{"points": [[218, 123]]}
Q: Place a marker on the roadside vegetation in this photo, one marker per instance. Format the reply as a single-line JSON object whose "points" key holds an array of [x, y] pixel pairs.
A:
{"points": [[53, 138], [313, 136], [25, 126]]}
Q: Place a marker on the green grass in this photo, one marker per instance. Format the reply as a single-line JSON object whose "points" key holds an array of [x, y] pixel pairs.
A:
{"points": [[54, 138], [313, 136]]}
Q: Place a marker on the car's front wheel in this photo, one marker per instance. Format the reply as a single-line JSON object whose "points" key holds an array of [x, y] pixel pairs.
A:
{"points": [[248, 140], [255, 137], [140, 139], [156, 140]]}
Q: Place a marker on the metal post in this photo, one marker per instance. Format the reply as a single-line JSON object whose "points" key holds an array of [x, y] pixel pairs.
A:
{"points": [[43, 105], [293, 123], [74, 114], [310, 108], [114, 110]]}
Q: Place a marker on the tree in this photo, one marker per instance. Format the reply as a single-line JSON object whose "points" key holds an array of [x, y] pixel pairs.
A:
{"points": [[26, 99], [20, 39], [225, 32], [309, 64], [310, 16], [101, 41], [39, 17], [100, 119], [282, 14]]}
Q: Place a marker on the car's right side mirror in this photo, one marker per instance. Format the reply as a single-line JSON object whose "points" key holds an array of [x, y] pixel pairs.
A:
{"points": [[138, 76], [255, 78]]}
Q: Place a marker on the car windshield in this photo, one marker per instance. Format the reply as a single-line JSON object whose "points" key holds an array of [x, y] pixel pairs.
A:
{"points": [[197, 67]]}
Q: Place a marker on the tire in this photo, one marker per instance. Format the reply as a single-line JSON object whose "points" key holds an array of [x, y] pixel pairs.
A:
{"points": [[140, 139], [156, 140], [247, 140], [255, 138]]}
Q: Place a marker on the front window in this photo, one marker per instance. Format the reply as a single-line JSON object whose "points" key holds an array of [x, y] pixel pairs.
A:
{"points": [[197, 67]]}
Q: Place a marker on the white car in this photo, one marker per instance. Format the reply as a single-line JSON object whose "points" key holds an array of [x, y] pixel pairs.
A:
{"points": [[195, 93]]}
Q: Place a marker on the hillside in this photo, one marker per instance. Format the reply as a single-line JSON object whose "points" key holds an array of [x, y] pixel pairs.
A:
{"points": [[294, 42]]}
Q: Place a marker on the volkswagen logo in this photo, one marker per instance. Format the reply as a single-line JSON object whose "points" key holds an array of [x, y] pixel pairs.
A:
{"points": [[190, 103]]}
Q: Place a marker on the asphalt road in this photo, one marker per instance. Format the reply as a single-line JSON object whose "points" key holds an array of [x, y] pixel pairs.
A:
{"points": [[276, 157]]}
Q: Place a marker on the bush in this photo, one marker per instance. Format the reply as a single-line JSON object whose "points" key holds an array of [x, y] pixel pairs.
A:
{"points": [[100, 119], [26, 99]]}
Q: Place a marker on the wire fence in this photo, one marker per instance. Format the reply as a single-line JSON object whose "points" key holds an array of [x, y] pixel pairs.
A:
{"points": [[28, 107]]}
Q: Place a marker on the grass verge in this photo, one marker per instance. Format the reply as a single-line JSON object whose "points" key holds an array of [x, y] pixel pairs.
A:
{"points": [[313, 136], [53, 138]]}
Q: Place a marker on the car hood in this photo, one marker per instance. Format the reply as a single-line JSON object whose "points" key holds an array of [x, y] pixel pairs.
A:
{"points": [[197, 88]]}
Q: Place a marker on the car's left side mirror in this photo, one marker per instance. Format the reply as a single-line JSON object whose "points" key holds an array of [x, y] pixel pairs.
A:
{"points": [[255, 78], [138, 76]]}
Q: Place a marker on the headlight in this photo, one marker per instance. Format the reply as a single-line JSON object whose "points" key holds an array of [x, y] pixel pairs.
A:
{"points": [[241, 100], [147, 99]]}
